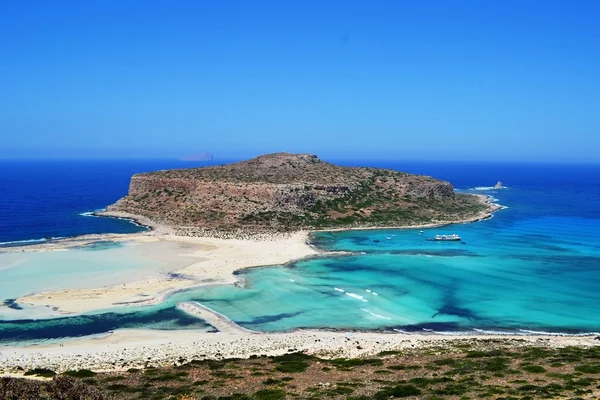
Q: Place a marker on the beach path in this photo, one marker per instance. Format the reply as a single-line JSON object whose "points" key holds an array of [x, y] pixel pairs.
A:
{"points": [[218, 320]]}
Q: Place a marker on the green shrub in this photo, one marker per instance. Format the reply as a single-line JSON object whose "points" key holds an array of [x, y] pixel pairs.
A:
{"points": [[82, 373], [293, 362], [269, 394], [534, 369], [588, 368], [43, 372], [397, 391]]}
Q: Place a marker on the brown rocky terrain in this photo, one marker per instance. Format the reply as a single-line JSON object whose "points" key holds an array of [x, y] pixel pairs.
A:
{"points": [[465, 369], [285, 192]]}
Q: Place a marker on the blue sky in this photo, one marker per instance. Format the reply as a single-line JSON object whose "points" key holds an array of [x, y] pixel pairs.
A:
{"points": [[471, 80]]}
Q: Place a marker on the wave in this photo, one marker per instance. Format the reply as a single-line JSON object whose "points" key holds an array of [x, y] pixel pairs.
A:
{"points": [[486, 188], [477, 331], [16, 242], [357, 296], [93, 214], [544, 333], [375, 315], [83, 214], [30, 241]]}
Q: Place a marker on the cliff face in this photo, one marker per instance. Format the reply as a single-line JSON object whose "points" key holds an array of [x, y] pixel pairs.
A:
{"points": [[288, 191]]}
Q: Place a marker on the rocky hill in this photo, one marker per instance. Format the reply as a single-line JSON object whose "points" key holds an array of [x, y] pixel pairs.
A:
{"points": [[284, 192]]}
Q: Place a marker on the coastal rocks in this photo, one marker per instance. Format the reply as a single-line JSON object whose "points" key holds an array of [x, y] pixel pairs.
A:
{"points": [[498, 185], [131, 348]]}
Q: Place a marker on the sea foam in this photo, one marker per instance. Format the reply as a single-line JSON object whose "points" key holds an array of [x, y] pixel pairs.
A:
{"points": [[375, 315], [357, 296]]}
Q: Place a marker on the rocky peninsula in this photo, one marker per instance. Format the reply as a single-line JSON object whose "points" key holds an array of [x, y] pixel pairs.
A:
{"points": [[285, 192]]}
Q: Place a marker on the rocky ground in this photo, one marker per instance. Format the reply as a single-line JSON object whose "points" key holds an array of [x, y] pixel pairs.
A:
{"points": [[460, 369], [286, 192]]}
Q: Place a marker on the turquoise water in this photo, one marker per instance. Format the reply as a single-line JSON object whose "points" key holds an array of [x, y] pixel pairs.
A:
{"points": [[98, 264], [498, 280], [534, 266]]}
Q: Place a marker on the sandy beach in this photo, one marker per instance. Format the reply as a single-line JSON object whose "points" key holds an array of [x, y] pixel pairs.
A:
{"points": [[127, 348], [193, 262], [210, 261]]}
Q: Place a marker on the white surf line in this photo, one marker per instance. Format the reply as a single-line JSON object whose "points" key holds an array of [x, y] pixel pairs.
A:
{"points": [[214, 318], [375, 315], [357, 296]]}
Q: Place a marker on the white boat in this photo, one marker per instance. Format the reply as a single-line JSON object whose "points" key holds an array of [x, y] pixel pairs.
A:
{"points": [[450, 238]]}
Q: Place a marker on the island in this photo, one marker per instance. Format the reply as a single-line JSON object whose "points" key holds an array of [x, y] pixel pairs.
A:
{"points": [[285, 192], [198, 157], [210, 222]]}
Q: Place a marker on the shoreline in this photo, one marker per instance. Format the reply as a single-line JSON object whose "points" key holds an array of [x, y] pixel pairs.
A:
{"points": [[211, 261], [157, 229], [481, 216], [230, 256], [140, 348], [137, 348]]}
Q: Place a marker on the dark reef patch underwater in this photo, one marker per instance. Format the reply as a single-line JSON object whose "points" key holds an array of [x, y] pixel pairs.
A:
{"points": [[533, 267]]}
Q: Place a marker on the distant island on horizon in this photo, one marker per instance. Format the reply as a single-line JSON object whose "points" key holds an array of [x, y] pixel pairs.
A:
{"points": [[198, 157], [284, 192]]}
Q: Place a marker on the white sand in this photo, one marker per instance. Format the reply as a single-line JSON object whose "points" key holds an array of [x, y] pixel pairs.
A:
{"points": [[138, 348], [211, 261]]}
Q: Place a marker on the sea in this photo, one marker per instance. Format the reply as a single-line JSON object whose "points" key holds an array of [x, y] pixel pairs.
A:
{"points": [[534, 267]]}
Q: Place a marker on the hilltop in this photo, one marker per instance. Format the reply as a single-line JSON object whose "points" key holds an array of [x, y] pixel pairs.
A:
{"points": [[284, 192]]}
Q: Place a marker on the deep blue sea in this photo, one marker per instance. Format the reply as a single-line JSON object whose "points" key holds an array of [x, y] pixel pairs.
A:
{"points": [[46, 199], [534, 266]]}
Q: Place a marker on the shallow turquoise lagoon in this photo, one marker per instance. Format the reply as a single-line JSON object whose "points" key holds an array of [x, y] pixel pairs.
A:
{"points": [[522, 278], [98, 264], [534, 266]]}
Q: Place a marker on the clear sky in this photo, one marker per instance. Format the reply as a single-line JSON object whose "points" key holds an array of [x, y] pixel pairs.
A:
{"points": [[399, 79]]}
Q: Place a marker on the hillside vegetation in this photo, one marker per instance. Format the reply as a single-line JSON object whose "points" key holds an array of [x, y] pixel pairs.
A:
{"points": [[286, 192], [484, 369]]}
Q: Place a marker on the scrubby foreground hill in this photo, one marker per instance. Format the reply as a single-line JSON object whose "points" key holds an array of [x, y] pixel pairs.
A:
{"points": [[487, 369], [284, 192]]}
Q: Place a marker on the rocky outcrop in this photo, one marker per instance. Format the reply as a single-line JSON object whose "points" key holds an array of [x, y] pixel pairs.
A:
{"points": [[285, 191]]}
